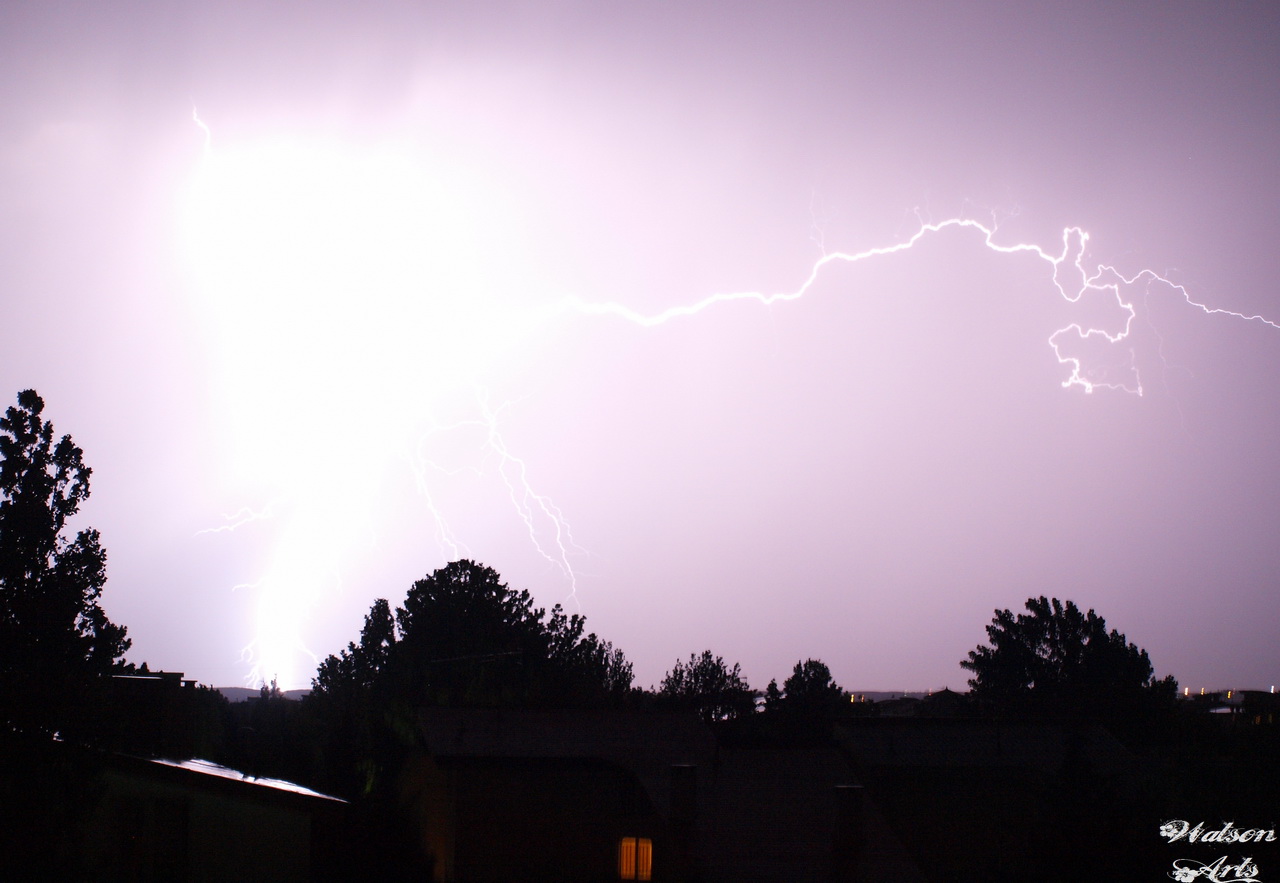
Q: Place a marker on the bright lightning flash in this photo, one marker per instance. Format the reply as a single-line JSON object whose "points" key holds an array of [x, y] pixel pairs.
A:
{"points": [[355, 300], [341, 293]]}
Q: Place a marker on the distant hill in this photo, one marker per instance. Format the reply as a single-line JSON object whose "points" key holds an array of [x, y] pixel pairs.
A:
{"points": [[240, 694], [881, 695]]}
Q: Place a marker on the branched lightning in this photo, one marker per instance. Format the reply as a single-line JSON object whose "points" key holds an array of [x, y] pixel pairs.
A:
{"points": [[421, 463], [316, 528], [1152, 276], [1105, 280], [242, 516], [528, 502], [531, 506], [252, 656], [269, 656]]}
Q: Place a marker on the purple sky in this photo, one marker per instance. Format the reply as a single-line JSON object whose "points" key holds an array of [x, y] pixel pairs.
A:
{"points": [[369, 306]]}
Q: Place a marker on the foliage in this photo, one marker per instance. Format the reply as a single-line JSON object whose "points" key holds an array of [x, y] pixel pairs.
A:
{"points": [[809, 690], [462, 638], [354, 668], [707, 685], [1057, 657], [211, 722], [349, 706], [56, 642]]}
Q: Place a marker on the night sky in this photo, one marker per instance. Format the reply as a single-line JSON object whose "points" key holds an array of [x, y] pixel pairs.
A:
{"points": [[333, 294]]}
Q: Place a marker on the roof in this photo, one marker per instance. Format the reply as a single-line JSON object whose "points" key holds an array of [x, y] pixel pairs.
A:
{"points": [[209, 768]]}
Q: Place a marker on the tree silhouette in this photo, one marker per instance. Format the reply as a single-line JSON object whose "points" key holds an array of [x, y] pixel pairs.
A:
{"points": [[809, 690], [356, 668], [352, 707], [465, 638], [462, 638], [56, 643], [707, 685], [1055, 657]]}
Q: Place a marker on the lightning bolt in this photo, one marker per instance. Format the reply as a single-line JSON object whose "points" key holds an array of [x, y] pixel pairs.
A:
{"points": [[529, 504], [258, 659], [208, 136], [533, 508], [238, 519], [421, 465], [1103, 280], [300, 567]]}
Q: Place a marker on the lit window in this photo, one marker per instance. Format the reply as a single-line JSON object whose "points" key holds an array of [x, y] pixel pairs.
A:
{"points": [[635, 858]]}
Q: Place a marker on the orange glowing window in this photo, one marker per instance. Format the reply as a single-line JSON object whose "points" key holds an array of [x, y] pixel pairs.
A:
{"points": [[635, 858]]}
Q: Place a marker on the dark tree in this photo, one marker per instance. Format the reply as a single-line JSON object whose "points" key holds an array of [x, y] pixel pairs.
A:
{"points": [[357, 667], [1057, 658], [707, 685], [462, 638], [351, 706], [57, 645], [587, 670], [809, 690], [465, 638]]}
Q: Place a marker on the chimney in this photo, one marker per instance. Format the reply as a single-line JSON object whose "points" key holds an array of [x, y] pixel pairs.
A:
{"points": [[847, 837]]}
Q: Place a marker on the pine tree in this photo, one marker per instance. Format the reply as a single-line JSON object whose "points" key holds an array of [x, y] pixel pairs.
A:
{"points": [[57, 646]]}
